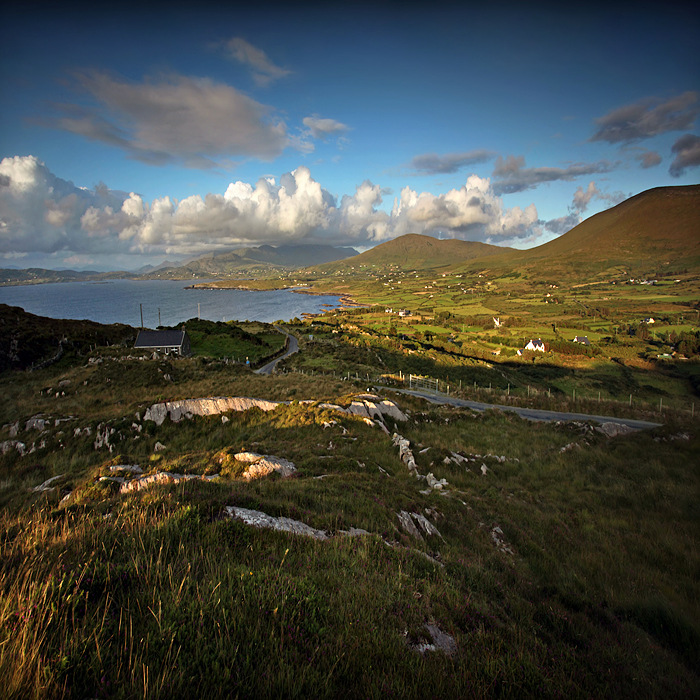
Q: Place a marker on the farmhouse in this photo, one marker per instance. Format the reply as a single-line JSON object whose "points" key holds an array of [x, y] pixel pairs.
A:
{"points": [[583, 339], [537, 345], [169, 342]]}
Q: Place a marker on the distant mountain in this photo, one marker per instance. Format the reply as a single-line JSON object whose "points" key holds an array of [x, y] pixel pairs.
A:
{"points": [[655, 231], [255, 260], [417, 252], [36, 275]]}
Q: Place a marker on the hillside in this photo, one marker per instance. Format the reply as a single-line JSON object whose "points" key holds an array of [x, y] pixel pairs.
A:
{"points": [[416, 252], [27, 340], [183, 527], [259, 260], [652, 232]]}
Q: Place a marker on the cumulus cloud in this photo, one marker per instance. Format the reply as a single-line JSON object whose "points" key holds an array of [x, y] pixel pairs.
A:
{"points": [[647, 118], [196, 122], [512, 176], [434, 164], [687, 150], [41, 213], [264, 70], [323, 128]]}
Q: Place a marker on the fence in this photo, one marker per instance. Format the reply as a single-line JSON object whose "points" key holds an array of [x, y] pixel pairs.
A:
{"points": [[416, 381]]}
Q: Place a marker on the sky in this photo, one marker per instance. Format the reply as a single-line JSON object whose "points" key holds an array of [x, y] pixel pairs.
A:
{"points": [[133, 134]]}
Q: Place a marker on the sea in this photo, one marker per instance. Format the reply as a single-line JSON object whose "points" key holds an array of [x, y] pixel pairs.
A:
{"points": [[162, 302]]}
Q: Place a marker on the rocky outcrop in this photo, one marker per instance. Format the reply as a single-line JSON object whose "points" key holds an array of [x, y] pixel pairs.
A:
{"points": [[8, 445], [259, 519], [406, 456], [499, 540], [415, 523], [440, 641], [145, 482], [264, 465], [369, 408], [612, 429], [186, 408]]}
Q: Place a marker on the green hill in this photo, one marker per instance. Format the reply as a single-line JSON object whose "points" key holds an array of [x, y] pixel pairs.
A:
{"points": [[653, 232], [258, 260], [415, 251]]}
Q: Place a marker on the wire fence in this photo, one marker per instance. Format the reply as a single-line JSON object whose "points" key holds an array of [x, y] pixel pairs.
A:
{"points": [[553, 398]]}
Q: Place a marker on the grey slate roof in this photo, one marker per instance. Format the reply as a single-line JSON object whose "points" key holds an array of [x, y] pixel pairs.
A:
{"points": [[159, 339]]}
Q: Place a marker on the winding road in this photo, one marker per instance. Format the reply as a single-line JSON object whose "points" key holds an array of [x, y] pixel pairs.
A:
{"points": [[293, 347], [532, 413]]}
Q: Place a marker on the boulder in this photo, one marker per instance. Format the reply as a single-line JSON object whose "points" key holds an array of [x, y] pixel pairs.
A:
{"points": [[267, 465]]}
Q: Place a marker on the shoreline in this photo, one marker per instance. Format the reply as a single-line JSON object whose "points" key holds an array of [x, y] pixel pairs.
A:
{"points": [[345, 300]]}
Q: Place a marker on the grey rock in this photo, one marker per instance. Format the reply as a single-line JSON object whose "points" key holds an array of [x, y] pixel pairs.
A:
{"points": [[612, 429], [48, 484], [8, 445], [261, 520]]}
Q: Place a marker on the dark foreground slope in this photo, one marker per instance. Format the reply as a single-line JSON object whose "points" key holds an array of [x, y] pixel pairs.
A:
{"points": [[555, 561]]}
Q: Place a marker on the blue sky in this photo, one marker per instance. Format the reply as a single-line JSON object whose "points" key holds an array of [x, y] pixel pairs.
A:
{"points": [[132, 135]]}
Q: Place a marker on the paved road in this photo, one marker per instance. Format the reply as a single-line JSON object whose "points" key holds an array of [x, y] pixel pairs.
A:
{"points": [[293, 347], [531, 413]]}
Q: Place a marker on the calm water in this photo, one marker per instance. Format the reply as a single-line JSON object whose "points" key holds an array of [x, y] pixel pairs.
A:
{"points": [[118, 301]]}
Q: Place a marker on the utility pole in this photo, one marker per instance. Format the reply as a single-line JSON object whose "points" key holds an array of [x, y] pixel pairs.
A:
{"points": [[159, 323], [141, 307]]}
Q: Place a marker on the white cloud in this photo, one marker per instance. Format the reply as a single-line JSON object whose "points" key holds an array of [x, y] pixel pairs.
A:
{"points": [[40, 213], [264, 70], [197, 122]]}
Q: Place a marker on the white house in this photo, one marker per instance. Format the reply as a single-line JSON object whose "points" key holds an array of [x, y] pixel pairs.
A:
{"points": [[583, 339], [536, 344]]}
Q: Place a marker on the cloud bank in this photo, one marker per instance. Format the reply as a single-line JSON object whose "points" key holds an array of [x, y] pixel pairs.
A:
{"points": [[42, 213]]}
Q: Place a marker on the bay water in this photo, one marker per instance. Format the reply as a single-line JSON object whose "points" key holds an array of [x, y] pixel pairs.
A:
{"points": [[164, 302]]}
